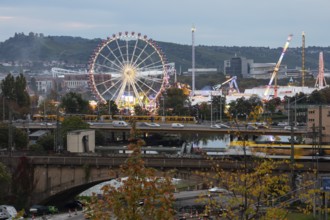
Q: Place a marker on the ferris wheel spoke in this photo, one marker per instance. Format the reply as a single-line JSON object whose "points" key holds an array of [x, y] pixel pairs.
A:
{"points": [[119, 48], [115, 94], [106, 58], [113, 54], [133, 53], [141, 52], [126, 51], [142, 91], [121, 91], [136, 93], [109, 80], [146, 85], [108, 67], [113, 86], [150, 55], [152, 79], [153, 65]]}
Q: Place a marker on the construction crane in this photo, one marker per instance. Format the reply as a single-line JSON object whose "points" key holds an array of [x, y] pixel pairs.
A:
{"points": [[277, 67], [232, 83]]}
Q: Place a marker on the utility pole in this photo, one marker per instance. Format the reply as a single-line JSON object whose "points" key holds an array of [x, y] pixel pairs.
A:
{"points": [[193, 29]]}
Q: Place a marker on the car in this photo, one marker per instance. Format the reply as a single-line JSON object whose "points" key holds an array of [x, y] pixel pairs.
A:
{"points": [[218, 190], [252, 127], [39, 210], [74, 205], [262, 126], [7, 212], [177, 125], [220, 126], [119, 124], [152, 124], [288, 128]]}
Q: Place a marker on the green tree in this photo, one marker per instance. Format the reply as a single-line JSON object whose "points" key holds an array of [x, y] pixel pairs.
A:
{"points": [[21, 188], [272, 104], [8, 87], [46, 142], [74, 103], [14, 92], [139, 110], [143, 195], [176, 102], [20, 138], [5, 180]]}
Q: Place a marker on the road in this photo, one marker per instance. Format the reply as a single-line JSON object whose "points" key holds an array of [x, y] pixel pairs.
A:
{"points": [[183, 199], [63, 216], [165, 127]]}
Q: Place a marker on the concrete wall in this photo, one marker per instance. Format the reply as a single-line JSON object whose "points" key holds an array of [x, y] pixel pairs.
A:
{"points": [[81, 141]]}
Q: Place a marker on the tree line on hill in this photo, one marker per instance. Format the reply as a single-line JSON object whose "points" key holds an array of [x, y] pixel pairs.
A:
{"points": [[76, 50]]}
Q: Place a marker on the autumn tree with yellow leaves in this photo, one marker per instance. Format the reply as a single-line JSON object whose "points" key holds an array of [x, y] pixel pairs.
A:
{"points": [[141, 195]]}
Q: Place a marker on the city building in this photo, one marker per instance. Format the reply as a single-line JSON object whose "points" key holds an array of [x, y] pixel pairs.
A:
{"points": [[318, 123], [238, 66], [44, 84], [248, 69]]}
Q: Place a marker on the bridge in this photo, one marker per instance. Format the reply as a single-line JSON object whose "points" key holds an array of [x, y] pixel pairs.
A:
{"points": [[167, 128], [65, 176]]}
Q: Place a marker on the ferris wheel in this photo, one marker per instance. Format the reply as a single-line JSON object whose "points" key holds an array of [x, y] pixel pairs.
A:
{"points": [[129, 69]]}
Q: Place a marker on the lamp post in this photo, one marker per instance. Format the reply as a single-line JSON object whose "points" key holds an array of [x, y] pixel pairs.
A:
{"points": [[163, 99], [220, 109], [211, 109]]}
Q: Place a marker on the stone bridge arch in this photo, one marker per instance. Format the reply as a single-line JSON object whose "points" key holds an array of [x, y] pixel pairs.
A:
{"points": [[64, 182]]}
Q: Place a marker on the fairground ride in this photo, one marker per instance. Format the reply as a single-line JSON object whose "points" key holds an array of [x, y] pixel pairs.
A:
{"points": [[276, 69], [130, 69], [232, 85]]}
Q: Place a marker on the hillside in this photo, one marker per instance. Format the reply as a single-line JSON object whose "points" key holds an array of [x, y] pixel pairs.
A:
{"points": [[75, 50]]}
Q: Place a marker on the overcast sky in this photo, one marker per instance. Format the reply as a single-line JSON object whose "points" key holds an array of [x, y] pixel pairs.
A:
{"points": [[217, 22]]}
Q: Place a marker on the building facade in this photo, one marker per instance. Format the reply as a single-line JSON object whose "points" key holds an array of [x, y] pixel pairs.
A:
{"points": [[318, 123]]}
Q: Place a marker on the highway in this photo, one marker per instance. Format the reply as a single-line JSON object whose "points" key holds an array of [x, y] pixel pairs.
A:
{"points": [[164, 127]]}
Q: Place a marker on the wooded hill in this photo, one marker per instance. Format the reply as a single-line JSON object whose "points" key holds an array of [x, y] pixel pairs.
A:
{"points": [[76, 50]]}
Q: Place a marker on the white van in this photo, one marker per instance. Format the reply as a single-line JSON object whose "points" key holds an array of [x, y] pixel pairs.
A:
{"points": [[7, 212], [119, 124]]}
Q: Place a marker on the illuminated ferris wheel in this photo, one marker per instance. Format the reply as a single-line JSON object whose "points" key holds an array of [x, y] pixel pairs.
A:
{"points": [[129, 69]]}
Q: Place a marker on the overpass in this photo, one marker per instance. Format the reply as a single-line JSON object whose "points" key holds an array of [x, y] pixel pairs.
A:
{"points": [[67, 175], [166, 128]]}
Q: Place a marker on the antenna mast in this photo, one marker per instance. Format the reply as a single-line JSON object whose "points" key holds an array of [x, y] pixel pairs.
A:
{"points": [[303, 60], [193, 29]]}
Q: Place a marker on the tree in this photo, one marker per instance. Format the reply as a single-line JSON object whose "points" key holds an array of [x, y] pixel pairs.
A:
{"points": [[143, 195], [74, 103], [20, 141], [15, 94], [252, 191], [138, 110], [272, 104], [176, 102], [46, 142], [5, 180]]}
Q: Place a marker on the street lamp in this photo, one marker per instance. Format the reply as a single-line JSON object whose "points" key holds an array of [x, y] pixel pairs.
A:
{"points": [[211, 109]]}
